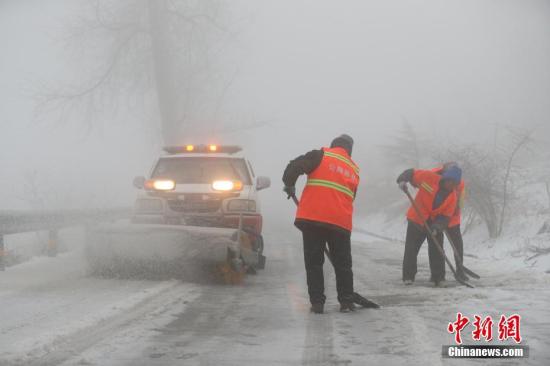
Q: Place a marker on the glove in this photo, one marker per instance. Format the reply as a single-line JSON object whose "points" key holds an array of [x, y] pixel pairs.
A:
{"points": [[290, 191], [403, 186]]}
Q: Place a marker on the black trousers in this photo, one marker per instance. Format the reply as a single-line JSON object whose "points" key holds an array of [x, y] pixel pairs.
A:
{"points": [[339, 242], [456, 236], [416, 235]]}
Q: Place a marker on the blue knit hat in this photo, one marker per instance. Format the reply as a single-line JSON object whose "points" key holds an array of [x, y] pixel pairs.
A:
{"points": [[452, 172]]}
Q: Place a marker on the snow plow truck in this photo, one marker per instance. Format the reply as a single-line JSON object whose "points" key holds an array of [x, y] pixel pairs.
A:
{"points": [[199, 207]]}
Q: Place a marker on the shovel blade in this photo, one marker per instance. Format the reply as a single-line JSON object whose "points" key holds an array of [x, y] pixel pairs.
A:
{"points": [[360, 300]]}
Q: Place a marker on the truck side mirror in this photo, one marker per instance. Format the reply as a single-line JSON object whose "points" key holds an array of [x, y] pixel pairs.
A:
{"points": [[139, 182], [262, 183]]}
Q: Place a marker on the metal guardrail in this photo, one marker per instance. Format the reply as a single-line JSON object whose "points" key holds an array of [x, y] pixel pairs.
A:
{"points": [[22, 221]]}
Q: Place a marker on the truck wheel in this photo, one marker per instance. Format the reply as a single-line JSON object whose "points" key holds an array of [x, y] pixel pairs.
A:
{"points": [[261, 257]]}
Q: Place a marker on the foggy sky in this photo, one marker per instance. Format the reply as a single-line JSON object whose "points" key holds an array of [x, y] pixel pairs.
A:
{"points": [[308, 69]]}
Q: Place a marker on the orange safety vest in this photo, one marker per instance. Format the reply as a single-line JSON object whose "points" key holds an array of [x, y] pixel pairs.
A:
{"points": [[330, 190], [460, 196], [427, 183]]}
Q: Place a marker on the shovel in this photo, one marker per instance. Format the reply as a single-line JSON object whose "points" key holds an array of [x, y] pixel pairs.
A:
{"points": [[434, 239]]}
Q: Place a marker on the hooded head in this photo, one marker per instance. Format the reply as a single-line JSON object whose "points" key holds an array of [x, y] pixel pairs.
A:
{"points": [[344, 141], [451, 176], [449, 164], [452, 172]]}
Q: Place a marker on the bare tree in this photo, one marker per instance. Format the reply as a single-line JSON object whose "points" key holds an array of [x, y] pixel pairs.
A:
{"points": [[544, 177], [469, 219], [144, 51], [32, 191], [489, 175], [406, 148], [519, 141], [541, 156]]}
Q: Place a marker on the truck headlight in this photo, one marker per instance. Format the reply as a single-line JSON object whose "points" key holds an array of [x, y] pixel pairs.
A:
{"points": [[241, 206], [160, 184], [164, 185], [227, 185]]}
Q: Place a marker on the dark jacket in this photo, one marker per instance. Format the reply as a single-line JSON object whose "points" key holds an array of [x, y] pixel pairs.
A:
{"points": [[303, 164]]}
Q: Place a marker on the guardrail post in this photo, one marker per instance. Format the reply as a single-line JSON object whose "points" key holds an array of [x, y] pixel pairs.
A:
{"points": [[52, 243], [2, 253]]}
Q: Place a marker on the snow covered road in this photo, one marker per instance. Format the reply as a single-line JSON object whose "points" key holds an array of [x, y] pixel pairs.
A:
{"points": [[54, 314]]}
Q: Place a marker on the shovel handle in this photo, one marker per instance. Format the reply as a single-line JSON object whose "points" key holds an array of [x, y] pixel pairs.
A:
{"points": [[433, 237]]}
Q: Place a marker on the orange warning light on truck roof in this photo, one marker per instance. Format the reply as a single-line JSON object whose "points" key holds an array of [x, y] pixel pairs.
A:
{"points": [[209, 148]]}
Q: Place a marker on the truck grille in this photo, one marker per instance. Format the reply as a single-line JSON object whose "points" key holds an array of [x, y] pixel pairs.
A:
{"points": [[197, 203]]}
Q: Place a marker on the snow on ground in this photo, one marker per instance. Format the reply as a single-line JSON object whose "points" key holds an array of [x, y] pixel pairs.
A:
{"points": [[54, 314], [422, 312], [512, 281], [512, 249], [47, 300], [24, 246]]}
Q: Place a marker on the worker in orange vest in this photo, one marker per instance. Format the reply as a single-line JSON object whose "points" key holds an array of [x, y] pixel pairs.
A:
{"points": [[324, 216], [454, 230], [436, 199]]}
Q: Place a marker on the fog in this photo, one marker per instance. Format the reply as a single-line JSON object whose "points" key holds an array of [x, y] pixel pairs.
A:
{"points": [[298, 73], [195, 274]]}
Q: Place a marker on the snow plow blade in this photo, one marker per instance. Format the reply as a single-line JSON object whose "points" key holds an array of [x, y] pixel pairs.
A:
{"points": [[124, 248]]}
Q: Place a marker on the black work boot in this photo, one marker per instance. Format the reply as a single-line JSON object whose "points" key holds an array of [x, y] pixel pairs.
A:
{"points": [[317, 308], [346, 307]]}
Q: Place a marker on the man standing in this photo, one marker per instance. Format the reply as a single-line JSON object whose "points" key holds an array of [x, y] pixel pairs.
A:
{"points": [[454, 230], [324, 216], [436, 200]]}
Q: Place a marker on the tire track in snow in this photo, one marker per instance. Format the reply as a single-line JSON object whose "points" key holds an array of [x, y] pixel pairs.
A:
{"points": [[318, 347], [318, 342], [257, 322], [64, 348]]}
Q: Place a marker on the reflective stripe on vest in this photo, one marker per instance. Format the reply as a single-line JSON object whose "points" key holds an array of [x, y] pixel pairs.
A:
{"points": [[428, 183], [344, 159], [332, 185], [427, 187]]}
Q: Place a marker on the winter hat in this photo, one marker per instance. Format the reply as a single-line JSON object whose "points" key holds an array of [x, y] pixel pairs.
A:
{"points": [[452, 172], [343, 141], [449, 164]]}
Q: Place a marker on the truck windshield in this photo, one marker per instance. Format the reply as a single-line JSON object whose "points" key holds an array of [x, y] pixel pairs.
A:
{"points": [[198, 170]]}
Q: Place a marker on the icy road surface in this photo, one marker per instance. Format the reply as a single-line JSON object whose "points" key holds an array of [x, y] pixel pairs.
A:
{"points": [[54, 314]]}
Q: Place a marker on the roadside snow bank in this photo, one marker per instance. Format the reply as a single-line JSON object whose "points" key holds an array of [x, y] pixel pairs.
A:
{"points": [[520, 246]]}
